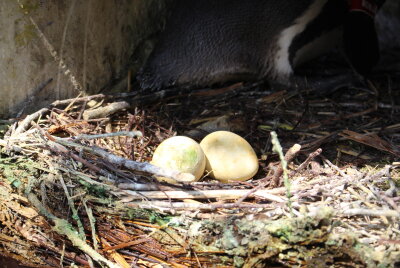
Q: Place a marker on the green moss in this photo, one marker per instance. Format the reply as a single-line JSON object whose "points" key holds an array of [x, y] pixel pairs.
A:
{"points": [[17, 170], [95, 190], [25, 36], [28, 6]]}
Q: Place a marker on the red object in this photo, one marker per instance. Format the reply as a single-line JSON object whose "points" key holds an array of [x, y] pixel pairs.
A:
{"points": [[367, 6]]}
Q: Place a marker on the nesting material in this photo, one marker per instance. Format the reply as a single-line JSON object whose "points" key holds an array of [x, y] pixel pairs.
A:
{"points": [[182, 154], [229, 156]]}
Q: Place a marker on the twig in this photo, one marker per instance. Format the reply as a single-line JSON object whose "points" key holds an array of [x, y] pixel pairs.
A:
{"points": [[289, 156], [23, 126], [77, 100], [58, 145], [75, 215], [384, 172], [141, 186], [391, 202], [66, 109], [132, 134], [336, 168], [206, 194], [105, 111], [191, 206], [14, 148], [130, 164], [303, 165], [371, 212], [64, 228], [92, 221]]}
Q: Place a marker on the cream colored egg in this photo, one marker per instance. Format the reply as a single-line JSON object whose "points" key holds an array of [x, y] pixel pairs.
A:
{"points": [[229, 156], [181, 154]]}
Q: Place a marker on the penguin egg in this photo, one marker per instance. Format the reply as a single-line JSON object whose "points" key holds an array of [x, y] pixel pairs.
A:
{"points": [[229, 157], [181, 154]]}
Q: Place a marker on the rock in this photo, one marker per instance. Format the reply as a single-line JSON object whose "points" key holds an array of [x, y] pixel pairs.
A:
{"points": [[181, 154], [229, 156]]}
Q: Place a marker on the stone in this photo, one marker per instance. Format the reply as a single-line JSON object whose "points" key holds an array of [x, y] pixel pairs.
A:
{"points": [[182, 154], [229, 157]]}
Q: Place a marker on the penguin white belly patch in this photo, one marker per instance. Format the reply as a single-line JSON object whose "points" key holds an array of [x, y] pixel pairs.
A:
{"points": [[210, 42]]}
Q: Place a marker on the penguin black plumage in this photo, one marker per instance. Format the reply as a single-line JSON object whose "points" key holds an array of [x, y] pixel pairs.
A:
{"points": [[360, 40], [213, 41]]}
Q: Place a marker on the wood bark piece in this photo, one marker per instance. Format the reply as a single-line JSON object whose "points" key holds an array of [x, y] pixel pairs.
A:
{"points": [[105, 111], [372, 140]]}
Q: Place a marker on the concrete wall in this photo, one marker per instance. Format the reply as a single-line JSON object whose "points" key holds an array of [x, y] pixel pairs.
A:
{"points": [[52, 49]]}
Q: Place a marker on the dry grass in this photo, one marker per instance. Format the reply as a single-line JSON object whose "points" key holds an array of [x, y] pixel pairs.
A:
{"points": [[75, 188]]}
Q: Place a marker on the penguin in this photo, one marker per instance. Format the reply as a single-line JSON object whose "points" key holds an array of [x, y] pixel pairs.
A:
{"points": [[360, 39], [208, 42]]}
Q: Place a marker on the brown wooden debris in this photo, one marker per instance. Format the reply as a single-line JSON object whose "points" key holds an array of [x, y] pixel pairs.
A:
{"points": [[372, 140], [62, 160]]}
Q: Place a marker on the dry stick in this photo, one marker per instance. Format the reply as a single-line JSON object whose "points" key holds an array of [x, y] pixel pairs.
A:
{"points": [[82, 110], [58, 148], [143, 186], [64, 228], [55, 147], [106, 110], [117, 160], [86, 178], [130, 164], [92, 221], [391, 202], [206, 194], [77, 100], [66, 109], [14, 148], [289, 156], [127, 244], [73, 209], [85, 44], [371, 212], [23, 126], [303, 165], [191, 206], [384, 172], [132, 134], [291, 153], [333, 166]]}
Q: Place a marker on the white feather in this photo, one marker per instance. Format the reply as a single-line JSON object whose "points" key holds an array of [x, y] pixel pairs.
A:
{"points": [[282, 64]]}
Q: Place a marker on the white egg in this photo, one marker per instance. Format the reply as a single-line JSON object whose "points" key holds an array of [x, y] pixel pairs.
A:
{"points": [[229, 157], [181, 154]]}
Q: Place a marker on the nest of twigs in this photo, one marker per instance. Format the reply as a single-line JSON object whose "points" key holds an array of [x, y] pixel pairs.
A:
{"points": [[76, 186]]}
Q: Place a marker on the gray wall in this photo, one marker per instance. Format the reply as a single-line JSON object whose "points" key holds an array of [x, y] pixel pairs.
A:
{"points": [[52, 49]]}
